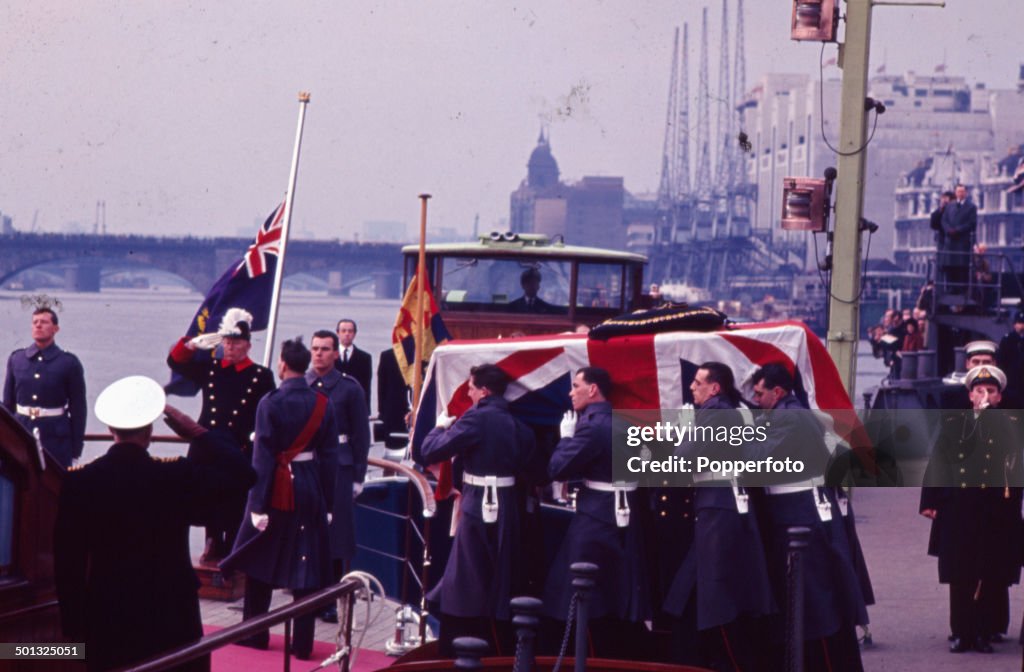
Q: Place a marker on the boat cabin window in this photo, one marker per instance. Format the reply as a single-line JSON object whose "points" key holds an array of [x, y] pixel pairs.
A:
{"points": [[505, 285], [600, 286]]}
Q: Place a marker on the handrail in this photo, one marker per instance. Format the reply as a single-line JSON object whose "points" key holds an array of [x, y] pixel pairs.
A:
{"points": [[247, 628], [423, 487]]}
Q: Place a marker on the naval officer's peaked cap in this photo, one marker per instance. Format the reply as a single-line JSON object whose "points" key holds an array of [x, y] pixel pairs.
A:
{"points": [[992, 375], [131, 403]]}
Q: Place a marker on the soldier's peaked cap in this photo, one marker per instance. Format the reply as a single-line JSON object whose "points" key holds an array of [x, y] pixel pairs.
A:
{"points": [[131, 403], [979, 375], [979, 347]]}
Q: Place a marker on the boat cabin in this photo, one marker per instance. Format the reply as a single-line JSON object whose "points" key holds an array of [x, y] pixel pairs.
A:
{"points": [[519, 284]]}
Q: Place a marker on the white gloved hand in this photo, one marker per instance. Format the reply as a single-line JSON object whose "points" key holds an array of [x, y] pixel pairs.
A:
{"points": [[205, 341], [444, 421], [259, 520], [568, 426], [330, 517], [559, 491], [357, 489]]}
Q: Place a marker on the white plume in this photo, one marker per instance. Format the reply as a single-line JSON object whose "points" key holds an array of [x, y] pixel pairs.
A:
{"points": [[231, 318]]}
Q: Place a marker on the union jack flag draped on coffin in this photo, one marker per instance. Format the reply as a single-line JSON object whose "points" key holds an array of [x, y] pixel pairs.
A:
{"points": [[247, 283], [650, 371]]}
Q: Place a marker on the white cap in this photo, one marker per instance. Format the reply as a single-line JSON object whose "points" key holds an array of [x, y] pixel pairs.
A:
{"points": [[985, 373], [131, 403], [975, 347]]}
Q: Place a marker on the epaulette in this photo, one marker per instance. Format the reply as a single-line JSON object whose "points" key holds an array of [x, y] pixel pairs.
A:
{"points": [[169, 459], [76, 467]]}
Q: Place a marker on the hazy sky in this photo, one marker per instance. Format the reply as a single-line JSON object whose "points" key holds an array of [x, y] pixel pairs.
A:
{"points": [[182, 115]]}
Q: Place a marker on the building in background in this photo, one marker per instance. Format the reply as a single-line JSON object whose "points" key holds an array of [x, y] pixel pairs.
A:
{"points": [[588, 212]]}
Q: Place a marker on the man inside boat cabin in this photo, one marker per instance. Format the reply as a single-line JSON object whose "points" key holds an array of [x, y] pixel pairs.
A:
{"points": [[529, 302]]}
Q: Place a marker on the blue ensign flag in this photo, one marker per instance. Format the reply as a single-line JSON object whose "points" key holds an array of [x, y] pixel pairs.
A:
{"points": [[248, 283]]}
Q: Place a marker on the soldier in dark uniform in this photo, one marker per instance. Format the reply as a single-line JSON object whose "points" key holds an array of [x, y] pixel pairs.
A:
{"points": [[723, 580], [352, 419], [232, 386], [496, 452], [124, 577], [833, 597], [284, 541], [972, 498], [45, 389], [604, 530]]}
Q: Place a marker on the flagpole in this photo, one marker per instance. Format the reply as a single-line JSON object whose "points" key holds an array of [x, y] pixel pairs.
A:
{"points": [[275, 298], [418, 326]]}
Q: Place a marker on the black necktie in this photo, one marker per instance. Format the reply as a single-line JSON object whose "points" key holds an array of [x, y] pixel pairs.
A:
{"points": [[346, 356]]}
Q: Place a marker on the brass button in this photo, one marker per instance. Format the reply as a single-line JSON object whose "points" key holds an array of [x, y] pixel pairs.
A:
{"points": [[664, 513], [213, 422], [664, 498], [37, 375]]}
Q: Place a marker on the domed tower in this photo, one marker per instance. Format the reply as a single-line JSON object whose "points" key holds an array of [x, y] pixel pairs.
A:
{"points": [[542, 169]]}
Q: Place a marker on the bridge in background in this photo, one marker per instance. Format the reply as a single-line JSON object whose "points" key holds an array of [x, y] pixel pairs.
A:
{"points": [[84, 259]]}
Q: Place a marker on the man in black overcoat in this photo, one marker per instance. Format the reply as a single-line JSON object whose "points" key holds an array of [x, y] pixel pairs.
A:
{"points": [[351, 360], [124, 576], [959, 221]]}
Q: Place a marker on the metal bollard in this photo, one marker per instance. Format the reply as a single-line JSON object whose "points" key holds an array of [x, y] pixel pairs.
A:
{"points": [[584, 579], [798, 540], [526, 612], [468, 652]]}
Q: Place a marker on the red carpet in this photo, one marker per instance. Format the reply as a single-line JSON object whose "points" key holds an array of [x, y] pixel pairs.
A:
{"points": [[232, 658]]}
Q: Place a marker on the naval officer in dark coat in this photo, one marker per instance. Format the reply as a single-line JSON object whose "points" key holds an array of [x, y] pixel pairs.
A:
{"points": [[283, 541], [44, 388], [352, 418], [724, 577], [232, 386], [605, 529], [124, 577], [496, 451], [973, 498]]}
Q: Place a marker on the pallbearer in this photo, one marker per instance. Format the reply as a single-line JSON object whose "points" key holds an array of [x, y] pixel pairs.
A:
{"points": [[605, 529], [484, 571]]}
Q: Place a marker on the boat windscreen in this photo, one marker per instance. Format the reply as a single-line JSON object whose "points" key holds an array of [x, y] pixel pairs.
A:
{"points": [[506, 285]]}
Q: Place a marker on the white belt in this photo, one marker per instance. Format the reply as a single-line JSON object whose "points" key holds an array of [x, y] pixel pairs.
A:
{"points": [[490, 484], [484, 481], [304, 456], [37, 412], [619, 488], [708, 476], [342, 438], [602, 486], [803, 486]]}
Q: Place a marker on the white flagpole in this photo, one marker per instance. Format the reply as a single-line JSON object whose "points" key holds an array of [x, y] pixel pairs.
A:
{"points": [[285, 225]]}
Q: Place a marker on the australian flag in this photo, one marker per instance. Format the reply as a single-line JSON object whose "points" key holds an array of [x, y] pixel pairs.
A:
{"points": [[247, 283]]}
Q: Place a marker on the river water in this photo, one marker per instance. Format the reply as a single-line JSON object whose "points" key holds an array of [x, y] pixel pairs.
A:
{"points": [[123, 332]]}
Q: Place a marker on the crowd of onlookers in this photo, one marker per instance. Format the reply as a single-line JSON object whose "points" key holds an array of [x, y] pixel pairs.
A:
{"points": [[899, 331]]}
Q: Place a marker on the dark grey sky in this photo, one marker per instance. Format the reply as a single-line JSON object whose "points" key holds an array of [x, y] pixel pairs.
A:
{"points": [[181, 115]]}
